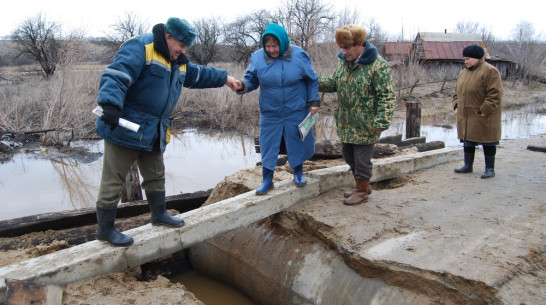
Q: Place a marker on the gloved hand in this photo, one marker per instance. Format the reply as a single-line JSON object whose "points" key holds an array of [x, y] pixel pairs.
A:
{"points": [[111, 115]]}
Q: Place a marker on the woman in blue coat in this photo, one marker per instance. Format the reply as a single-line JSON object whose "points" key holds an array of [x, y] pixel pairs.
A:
{"points": [[288, 91]]}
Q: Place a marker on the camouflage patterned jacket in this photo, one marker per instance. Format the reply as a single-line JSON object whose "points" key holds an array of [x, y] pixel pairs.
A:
{"points": [[366, 96]]}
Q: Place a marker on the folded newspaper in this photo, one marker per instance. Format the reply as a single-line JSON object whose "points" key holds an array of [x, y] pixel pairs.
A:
{"points": [[122, 122], [307, 124]]}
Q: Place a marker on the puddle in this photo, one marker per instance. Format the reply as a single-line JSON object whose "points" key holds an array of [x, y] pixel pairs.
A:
{"points": [[211, 292]]}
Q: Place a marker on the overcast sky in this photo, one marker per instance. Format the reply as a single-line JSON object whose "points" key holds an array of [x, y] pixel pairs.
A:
{"points": [[95, 17]]}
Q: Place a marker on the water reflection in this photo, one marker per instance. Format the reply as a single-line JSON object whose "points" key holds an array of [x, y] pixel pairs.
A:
{"points": [[194, 161], [516, 124]]}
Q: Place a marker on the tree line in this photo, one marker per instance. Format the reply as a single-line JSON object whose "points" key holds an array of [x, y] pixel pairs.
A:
{"points": [[310, 24]]}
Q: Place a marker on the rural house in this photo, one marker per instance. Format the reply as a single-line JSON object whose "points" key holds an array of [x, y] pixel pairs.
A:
{"points": [[441, 53]]}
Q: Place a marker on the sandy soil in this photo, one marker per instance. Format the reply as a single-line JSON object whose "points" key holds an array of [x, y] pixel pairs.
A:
{"points": [[129, 288]]}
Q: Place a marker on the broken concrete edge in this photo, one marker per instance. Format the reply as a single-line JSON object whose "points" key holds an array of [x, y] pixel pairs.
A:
{"points": [[153, 242]]}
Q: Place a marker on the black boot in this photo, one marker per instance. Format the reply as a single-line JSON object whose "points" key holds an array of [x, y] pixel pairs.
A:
{"points": [[489, 154], [158, 209], [106, 230], [469, 152]]}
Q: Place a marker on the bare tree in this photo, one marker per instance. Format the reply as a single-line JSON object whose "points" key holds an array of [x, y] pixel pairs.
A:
{"points": [[39, 39], [305, 20], [347, 16], [487, 36], [466, 27], [526, 51], [244, 34], [341, 18], [375, 35], [206, 42], [130, 25]]}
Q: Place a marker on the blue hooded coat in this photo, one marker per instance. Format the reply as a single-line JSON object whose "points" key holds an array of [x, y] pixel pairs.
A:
{"points": [[288, 87], [146, 85]]}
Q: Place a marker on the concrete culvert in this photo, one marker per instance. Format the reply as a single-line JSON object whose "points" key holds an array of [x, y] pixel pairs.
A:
{"points": [[272, 266]]}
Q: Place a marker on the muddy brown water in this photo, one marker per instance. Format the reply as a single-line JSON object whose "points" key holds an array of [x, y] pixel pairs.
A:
{"points": [[211, 292]]}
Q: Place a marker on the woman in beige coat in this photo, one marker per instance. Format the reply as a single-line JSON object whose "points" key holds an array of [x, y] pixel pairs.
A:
{"points": [[477, 103]]}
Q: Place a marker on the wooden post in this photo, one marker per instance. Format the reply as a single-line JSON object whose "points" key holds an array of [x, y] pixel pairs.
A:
{"points": [[413, 119], [132, 190]]}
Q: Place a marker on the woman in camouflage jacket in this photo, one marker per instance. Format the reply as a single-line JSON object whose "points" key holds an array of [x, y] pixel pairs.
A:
{"points": [[366, 99]]}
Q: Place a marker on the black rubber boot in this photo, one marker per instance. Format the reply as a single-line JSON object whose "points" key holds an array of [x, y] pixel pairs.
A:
{"points": [[106, 230], [489, 154], [469, 152], [488, 173], [158, 209]]}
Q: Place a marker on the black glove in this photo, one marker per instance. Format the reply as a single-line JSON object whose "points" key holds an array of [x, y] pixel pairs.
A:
{"points": [[110, 115]]}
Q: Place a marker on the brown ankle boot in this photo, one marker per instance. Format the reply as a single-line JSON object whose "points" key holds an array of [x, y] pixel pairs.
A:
{"points": [[350, 192], [361, 193]]}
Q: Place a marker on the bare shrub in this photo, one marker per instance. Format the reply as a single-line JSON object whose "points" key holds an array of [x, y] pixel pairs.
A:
{"points": [[31, 108], [219, 108]]}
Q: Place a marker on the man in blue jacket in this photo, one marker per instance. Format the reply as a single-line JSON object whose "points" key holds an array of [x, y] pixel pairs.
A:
{"points": [[143, 85]]}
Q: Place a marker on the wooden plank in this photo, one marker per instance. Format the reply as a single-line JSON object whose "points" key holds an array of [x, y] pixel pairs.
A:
{"points": [[430, 146], [332, 149], [536, 148], [69, 219], [29, 293]]}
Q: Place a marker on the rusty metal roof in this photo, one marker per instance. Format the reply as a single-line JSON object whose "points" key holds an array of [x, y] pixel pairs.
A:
{"points": [[398, 48], [448, 50]]}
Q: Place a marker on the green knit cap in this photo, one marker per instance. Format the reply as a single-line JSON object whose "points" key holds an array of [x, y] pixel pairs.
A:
{"points": [[181, 30]]}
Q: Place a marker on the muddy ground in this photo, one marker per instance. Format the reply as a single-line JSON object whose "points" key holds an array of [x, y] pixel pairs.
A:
{"points": [[134, 286]]}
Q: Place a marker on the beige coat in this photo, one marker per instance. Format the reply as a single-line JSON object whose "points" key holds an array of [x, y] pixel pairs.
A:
{"points": [[479, 89]]}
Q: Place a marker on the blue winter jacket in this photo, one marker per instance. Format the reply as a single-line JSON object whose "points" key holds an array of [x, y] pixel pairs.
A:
{"points": [[146, 86], [288, 86]]}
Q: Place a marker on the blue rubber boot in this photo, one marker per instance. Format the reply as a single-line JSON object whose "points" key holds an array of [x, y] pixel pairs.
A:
{"points": [[156, 201], [267, 182], [299, 180], [106, 230]]}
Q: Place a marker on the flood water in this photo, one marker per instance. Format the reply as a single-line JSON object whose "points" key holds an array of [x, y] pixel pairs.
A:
{"points": [[194, 161]]}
